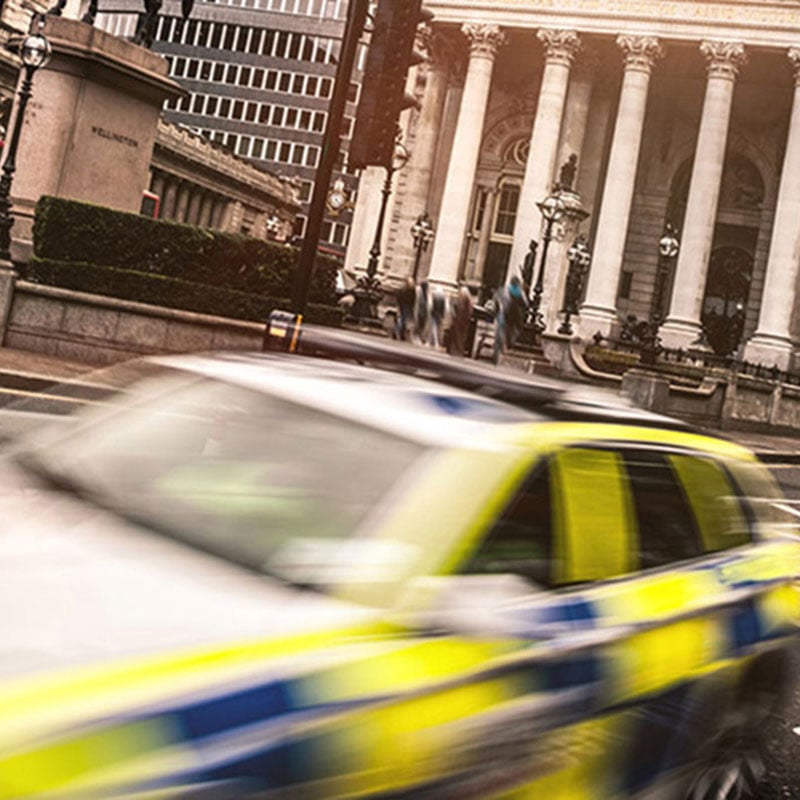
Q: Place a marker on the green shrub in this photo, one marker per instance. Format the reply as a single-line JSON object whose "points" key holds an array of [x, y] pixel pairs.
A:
{"points": [[68, 230], [170, 292]]}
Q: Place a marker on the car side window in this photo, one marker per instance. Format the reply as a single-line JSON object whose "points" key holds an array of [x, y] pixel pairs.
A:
{"points": [[520, 542], [716, 504], [666, 525]]}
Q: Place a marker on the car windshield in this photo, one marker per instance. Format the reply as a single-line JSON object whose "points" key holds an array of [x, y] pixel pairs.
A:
{"points": [[235, 471]]}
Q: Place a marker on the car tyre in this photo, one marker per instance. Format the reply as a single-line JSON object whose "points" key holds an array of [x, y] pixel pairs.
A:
{"points": [[734, 763]]}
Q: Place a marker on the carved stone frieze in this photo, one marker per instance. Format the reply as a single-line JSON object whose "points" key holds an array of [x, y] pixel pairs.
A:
{"points": [[641, 52], [724, 58], [560, 46]]}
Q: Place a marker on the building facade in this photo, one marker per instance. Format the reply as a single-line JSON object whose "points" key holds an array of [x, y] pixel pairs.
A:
{"points": [[678, 111], [258, 76]]}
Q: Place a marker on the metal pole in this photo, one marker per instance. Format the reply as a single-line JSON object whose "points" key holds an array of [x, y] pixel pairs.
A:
{"points": [[539, 286], [331, 144], [9, 167], [375, 250]]}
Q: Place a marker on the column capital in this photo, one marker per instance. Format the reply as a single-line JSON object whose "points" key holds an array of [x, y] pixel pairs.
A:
{"points": [[724, 58], [560, 46], [641, 52], [793, 55], [440, 48], [484, 40]]}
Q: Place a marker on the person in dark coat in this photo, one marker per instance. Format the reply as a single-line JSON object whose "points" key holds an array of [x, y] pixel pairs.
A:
{"points": [[406, 299], [459, 328]]}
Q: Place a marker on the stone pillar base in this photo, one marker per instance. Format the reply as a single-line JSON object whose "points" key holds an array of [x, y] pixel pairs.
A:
{"points": [[593, 319], [681, 334], [769, 351], [645, 389], [8, 281]]}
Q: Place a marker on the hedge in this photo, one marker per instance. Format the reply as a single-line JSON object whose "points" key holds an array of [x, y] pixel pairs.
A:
{"points": [[170, 292], [68, 230]]}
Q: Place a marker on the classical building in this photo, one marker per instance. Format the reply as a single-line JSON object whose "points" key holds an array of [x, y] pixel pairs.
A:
{"points": [[682, 111], [200, 183], [258, 76]]}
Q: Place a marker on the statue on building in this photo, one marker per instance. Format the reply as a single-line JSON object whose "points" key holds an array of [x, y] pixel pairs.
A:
{"points": [[528, 264], [566, 175]]}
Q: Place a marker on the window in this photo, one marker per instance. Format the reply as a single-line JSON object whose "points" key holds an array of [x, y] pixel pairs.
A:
{"points": [[250, 111], [507, 210], [277, 115], [230, 75], [244, 76], [255, 42], [272, 78], [211, 106], [230, 37], [285, 82], [297, 84], [297, 154], [284, 153], [225, 107], [312, 154], [520, 542], [219, 72], [269, 152], [269, 42], [191, 70], [665, 523], [294, 46], [238, 109], [263, 115], [197, 104], [325, 87], [291, 117], [282, 44], [312, 83], [319, 120], [305, 120], [258, 148], [258, 78], [215, 41], [205, 70]]}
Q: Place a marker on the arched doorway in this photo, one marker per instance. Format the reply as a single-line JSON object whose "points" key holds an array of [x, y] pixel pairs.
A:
{"points": [[730, 267], [730, 271]]}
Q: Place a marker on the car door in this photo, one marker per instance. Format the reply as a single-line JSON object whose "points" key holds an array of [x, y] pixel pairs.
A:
{"points": [[659, 598]]}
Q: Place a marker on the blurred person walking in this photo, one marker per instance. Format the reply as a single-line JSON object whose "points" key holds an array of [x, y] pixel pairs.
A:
{"points": [[459, 328], [438, 311], [422, 313], [511, 308], [406, 300]]}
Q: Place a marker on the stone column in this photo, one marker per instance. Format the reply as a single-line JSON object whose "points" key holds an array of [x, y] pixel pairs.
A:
{"points": [[560, 50], [683, 326], [205, 210], [427, 131], [576, 109], [170, 195], [484, 234], [484, 41], [193, 214], [157, 187], [599, 309], [772, 342], [182, 203]]}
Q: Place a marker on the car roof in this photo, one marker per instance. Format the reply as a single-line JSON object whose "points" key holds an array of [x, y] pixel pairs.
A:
{"points": [[375, 379]]}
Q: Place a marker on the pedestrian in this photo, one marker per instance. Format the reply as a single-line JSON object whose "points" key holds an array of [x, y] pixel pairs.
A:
{"points": [[511, 309], [406, 299], [459, 328], [422, 313], [438, 311]]}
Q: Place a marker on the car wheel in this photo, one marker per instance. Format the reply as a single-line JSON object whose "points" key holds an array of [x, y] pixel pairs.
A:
{"points": [[734, 764]]}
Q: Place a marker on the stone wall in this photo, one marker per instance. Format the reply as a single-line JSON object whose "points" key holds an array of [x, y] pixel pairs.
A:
{"points": [[104, 330]]}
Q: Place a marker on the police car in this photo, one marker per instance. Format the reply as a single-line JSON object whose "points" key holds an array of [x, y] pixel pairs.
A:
{"points": [[385, 574]]}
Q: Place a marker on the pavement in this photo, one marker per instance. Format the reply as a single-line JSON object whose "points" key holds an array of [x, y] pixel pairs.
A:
{"points": [[34, 372]]}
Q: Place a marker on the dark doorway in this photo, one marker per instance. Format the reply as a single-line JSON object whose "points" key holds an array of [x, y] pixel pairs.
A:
{"points": [[730, 271], [495, 266]]}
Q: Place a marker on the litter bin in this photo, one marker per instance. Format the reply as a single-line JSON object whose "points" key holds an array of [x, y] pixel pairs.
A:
{"points": [[282, 331]]}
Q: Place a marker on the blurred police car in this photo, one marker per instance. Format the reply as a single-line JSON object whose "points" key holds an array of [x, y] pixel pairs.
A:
{"points": [[274, 576]]}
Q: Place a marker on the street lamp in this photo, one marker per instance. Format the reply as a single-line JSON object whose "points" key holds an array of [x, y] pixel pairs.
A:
{"points": [[552, 210], [34, 50], [368, 290], [668, 246], [423, 233], [273, 226], [579, 258]]}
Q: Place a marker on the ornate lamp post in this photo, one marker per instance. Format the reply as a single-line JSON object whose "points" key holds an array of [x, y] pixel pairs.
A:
{"points": [[668, 246], [423, 233], [579, 258], [552, 209], [368, 290], [34, 50]]}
